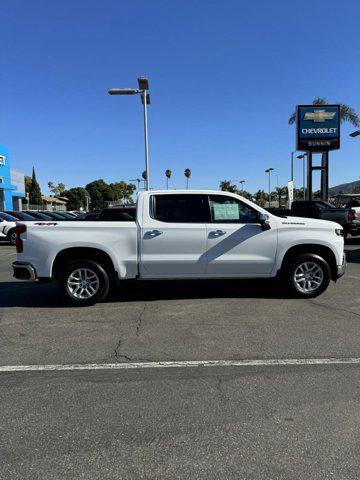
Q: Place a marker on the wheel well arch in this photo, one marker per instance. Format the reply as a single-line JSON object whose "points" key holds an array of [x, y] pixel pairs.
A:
{"points": [[81, 253], [325, 252]]}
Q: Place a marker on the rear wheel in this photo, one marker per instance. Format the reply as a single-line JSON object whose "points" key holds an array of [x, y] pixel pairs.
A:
{"points": [[306, 275], [84, 282], [12, 236]]}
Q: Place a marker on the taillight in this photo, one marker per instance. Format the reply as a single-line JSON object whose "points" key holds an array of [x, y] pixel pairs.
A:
{"points": [[20, 228], [351, 215]]}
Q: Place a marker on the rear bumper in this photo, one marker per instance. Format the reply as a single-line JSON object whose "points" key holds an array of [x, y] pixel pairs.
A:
{"points": [[340, 270], [24, 271]]}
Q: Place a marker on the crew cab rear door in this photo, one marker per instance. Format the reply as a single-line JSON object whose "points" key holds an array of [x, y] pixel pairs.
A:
{"points": [[173, 235]]}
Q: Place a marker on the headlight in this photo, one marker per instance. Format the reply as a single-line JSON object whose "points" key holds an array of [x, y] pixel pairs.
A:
{"points": [[338, 231]]}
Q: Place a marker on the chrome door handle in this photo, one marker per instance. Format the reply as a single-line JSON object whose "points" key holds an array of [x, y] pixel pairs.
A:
{"points": [[154, 233], [218, 233]]}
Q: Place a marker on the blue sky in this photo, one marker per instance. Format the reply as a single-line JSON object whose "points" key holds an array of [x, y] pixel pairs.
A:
{"points": [[224, 78]]}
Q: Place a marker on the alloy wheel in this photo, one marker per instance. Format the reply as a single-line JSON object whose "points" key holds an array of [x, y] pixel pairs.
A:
{"points": [[308, 277], [83, 283]]}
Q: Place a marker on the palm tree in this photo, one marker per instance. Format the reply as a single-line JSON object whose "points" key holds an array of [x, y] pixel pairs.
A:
{"points": [[347, 114], [280, 191], [168, 175], [187, 174]]}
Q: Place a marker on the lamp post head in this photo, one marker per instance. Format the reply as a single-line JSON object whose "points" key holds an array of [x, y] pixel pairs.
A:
{"points": [[143, 83], [355, 134], [122, 91], [268, 170]]}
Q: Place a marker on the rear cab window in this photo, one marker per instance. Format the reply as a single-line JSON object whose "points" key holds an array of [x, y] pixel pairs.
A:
{"points": [[180, 208]]}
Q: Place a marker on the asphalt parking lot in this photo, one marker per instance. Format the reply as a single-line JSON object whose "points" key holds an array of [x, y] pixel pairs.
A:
{"points": [[229, 422]]}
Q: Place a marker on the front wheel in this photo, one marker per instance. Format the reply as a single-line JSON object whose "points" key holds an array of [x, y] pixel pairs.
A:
{"points": [[84, 282], [307, 275]]}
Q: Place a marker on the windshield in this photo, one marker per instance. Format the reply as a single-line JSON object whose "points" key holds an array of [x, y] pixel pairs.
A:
{"points": [[323, 204]]}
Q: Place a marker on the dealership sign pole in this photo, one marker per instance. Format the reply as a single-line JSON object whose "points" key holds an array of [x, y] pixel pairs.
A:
{"points": [[318, 131]]}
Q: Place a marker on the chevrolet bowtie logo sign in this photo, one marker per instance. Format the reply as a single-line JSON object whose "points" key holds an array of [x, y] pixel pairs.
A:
{"points": [[318, 128], [319, 116]]}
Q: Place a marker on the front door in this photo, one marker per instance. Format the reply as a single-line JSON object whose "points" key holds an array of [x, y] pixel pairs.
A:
{"points": [[174, 236], [236, 243]]}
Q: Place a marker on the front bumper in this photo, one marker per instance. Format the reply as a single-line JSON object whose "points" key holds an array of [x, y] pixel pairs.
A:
{"points": [[24, 271], [340, 270]]}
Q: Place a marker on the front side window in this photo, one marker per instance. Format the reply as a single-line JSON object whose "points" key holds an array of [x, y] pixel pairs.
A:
{"points": [[226, 209], [180, 208]]}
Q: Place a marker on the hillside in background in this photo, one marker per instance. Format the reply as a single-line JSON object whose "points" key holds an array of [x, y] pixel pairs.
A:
{"points": [[352, 187]]}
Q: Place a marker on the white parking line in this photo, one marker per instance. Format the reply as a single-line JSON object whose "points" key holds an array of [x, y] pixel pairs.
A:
{"points": [[181, 364]]}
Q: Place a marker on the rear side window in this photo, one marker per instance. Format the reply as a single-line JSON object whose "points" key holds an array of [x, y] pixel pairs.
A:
{"points": [[180, 208], [226, 209]]}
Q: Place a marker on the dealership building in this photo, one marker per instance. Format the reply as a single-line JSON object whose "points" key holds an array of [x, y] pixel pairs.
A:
{"points": [[12, 183]]}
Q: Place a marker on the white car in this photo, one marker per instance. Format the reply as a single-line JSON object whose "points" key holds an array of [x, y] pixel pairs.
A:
{"points": [[7, 227], [182, 235]]}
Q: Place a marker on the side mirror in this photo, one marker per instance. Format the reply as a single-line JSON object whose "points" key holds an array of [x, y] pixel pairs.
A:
{"points": [[264, 221]]}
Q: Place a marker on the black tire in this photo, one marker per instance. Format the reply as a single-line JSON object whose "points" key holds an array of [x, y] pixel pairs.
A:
{"points": [[12, 236], [72, 293], [295, 265]]}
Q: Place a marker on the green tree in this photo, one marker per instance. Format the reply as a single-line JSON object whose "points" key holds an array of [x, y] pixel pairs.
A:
{"points": [[187, 174], [100, 193], [167, 175], [227, 186], [261, 198], [123, 191], [347, 114], [280, 192], [77, 198], [27, 183], [34, 191], [58, 189]]}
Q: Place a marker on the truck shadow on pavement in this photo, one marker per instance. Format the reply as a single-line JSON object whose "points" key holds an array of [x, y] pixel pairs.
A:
{"points": [[32, 294]]}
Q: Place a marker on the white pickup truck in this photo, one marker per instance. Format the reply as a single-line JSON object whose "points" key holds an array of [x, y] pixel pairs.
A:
{"points": [[182, 235]]}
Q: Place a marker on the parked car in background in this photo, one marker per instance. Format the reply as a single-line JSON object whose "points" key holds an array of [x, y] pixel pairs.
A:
{"points": [[354, 205], [126, 213], [55, 216], [21, 216], [322, 210], [38, 215], [89, 216], [8, 227], [182, 235], [68, 215]]}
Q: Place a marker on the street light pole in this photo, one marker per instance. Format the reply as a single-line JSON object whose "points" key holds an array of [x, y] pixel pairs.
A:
{"points": [[145, 98], [242, 187], [269, 170], [303, 159], [292, 166]]}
